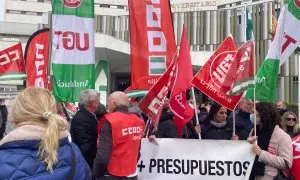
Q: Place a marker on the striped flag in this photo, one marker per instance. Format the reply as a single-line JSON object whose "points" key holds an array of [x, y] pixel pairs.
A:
{"points": [[73, 52], [286, 40], [157, 65], [12, 64]]}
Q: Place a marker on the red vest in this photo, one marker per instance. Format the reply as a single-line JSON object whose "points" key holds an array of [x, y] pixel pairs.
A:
{"points": [[127, 132]]}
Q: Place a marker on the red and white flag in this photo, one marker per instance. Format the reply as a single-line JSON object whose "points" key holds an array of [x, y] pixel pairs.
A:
{"points": [[183, 76], [154, 100], [240, 75], [36, 58], [211, 76], [12, 64], [296, 159], [152, 42]]}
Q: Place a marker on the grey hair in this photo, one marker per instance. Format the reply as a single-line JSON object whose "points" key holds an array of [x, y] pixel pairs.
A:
{"points": [[87, 95]]}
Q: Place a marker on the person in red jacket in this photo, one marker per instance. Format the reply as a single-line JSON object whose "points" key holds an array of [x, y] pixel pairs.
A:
{"points": [[119, 143]]}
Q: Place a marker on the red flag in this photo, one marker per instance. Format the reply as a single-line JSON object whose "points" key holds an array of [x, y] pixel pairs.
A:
{"points": [[212, 75], [152, 102], [36, 57], [296, 160], [12, 63], [183, 76], [152, 42], [240, 75], [156, 119]]}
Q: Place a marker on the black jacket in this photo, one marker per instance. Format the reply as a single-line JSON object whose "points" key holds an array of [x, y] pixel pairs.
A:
{"points": [[4, 114], [189, 131], [84, 134], [243, 125], [209, 131], [166, 126]]}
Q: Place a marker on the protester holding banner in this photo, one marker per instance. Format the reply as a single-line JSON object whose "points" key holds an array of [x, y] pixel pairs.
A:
{"points": [[216, 126], [120, 140], [273, 148], [243, 122], [290, 124], [39, 148], [84, 125], [166, 126], [191, 129]]}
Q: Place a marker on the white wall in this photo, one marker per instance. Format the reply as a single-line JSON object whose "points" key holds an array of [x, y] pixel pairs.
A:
{"points": [[2, 9]]}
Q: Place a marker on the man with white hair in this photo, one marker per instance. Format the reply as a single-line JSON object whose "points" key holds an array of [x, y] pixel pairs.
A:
{"points": [[84, 125], [119, 142]]}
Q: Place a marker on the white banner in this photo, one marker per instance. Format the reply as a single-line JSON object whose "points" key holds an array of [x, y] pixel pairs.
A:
{"points": [[180, 159]]}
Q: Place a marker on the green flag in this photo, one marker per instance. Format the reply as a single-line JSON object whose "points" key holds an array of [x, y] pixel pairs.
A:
{"points": [[286, 39], [73, 52]]}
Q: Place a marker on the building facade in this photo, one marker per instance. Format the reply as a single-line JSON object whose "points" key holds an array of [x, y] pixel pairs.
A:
{"points": [[208, 22]]}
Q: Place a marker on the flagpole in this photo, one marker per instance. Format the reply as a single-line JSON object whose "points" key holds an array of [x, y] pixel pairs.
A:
{"points": [[254, 71], [254, 90], [233, 122], [147, 129], [195, 109], [298, 56]]}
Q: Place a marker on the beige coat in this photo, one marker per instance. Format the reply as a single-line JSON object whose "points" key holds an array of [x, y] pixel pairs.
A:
{"points": [[280, 149]]}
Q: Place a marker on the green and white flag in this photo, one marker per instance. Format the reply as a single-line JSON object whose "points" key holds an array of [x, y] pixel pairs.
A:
{"points": [[249, 36], [157, 65], [73, 52], [286, 39]]}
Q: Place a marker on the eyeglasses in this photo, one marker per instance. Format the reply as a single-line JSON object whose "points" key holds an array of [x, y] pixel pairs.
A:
{"points": [[291, 119]]}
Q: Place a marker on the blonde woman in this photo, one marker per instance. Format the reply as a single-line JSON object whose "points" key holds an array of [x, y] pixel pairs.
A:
{"points": [[39, 147], [290, 124]]}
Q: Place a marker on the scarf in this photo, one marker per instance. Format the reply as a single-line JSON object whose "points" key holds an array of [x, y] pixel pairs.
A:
{"points": [[264, 136], [218, 125]]}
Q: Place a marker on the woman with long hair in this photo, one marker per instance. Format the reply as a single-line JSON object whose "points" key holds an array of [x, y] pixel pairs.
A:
{"points": [[290, 124], [216, 126], [39, 147], [273, 148]]}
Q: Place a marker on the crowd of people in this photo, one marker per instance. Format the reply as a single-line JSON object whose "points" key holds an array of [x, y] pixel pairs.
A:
{"points": [[102, 142]]}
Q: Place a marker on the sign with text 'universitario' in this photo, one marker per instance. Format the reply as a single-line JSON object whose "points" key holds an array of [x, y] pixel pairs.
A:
{"points": [[198, 5], [179, 159], [73, 52]]}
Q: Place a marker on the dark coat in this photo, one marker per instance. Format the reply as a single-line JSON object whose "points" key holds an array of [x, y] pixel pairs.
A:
{"points": [[4, 114], [19, 160], [84, 134], [166, 126], [243, 124], [209, 131], [189, 131]]}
